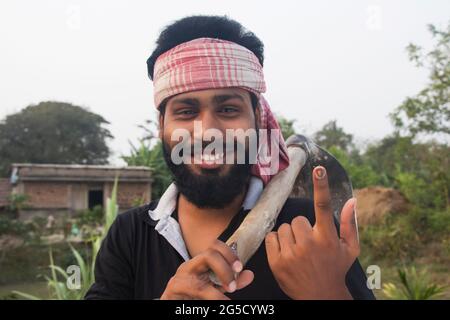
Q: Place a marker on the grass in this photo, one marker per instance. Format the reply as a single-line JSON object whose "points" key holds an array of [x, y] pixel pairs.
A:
{"points": [[414, 285]]}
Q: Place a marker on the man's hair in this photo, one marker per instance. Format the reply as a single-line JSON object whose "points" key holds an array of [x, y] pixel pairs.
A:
{"points": [[201, 26]]}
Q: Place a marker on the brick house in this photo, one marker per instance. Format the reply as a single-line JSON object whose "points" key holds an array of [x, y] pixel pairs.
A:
{"points": [[65, 189]]}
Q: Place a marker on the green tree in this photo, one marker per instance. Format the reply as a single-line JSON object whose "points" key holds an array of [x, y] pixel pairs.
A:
{"points": [[332, 135], [419, 170], [286, 126], [150, 155], [361, 173], [153, 158], [53, 132], [429, 110]]}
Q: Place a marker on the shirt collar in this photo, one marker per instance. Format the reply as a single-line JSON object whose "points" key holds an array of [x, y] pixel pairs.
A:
{"points": [[169, 228], [168, 201]]}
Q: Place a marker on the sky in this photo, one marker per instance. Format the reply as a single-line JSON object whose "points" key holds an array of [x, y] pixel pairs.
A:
{"points": [[324, 60]]}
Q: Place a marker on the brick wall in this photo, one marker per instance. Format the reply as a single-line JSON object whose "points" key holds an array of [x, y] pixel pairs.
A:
{"points": [[128, 192], [49, 195]]}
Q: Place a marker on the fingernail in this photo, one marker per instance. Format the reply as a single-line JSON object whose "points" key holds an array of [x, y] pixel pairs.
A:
{"points": [[237, 266], [320, 172], [232, 286]]}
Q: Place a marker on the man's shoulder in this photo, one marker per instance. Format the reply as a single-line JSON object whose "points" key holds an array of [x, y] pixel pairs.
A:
{"points": [[135, 214], [294, 207]]}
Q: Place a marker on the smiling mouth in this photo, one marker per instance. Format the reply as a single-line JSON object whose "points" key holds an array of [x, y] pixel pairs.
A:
{"points": [[208, 161]]}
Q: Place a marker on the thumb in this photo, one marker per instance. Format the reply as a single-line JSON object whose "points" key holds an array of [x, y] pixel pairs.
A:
{"points": [[244, 279], [272, 247], [349, 224]]}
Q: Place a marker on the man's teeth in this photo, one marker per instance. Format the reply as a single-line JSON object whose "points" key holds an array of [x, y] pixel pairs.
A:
{"points": [[211, 157]]}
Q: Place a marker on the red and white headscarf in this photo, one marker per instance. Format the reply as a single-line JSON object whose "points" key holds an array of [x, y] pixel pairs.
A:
{"points": [[209, 63]]}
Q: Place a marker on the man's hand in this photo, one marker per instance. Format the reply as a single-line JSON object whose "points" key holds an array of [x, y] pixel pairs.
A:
{"points": [[311, 262], [191, 281]]}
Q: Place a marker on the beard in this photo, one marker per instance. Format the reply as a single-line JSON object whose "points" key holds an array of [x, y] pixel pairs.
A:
{"points": [[211, 189]]}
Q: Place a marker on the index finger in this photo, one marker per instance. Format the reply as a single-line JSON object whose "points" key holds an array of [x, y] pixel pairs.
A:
{"points": [[322, 200]]}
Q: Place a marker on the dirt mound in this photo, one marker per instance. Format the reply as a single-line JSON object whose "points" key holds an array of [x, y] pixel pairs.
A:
{"points": [[375, 202]]}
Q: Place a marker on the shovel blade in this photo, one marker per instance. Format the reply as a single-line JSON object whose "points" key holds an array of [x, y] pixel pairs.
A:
{"points": [[339, 182]]}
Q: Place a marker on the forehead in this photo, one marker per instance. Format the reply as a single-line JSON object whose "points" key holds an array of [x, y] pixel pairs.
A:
{"points": [[209, 94]]}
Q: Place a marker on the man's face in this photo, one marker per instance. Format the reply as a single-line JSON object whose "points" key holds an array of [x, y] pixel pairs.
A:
{"points": [[219, 109]]}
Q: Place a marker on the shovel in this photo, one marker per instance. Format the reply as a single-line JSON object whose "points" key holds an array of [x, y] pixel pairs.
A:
{"points": [[304, 155]]}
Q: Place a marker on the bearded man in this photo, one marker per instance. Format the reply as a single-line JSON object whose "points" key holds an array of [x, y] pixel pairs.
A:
{"points": [[208, 75]]}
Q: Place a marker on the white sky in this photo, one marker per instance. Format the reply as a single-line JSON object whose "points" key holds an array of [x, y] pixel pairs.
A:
{"points": [[325, 60]]}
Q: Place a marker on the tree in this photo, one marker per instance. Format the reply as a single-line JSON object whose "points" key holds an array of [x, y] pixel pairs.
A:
{"points": [[153, 158], [286, 126], [419, 170], [151, 155], [53, 132], [331, 135], [429, 110]]}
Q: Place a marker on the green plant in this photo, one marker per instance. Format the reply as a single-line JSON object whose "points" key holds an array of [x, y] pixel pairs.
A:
{"points": [[152, 157], [13, 227], [92, 216], [139, 201], [413, 286], [58, 288], [17, 202], [360, 173], [395, 238]]}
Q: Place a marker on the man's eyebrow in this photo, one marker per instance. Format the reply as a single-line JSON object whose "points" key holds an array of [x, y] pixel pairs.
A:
{"points": [[189, 101], [224, 97]]}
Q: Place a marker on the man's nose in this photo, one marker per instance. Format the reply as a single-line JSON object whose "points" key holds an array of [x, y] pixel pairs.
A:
{"points": [[209, 120]]}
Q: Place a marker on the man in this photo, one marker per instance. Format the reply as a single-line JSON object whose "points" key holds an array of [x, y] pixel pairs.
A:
{"points": [[207, 73]]}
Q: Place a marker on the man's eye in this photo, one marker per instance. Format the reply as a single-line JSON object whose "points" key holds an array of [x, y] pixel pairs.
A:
{"points": [[186, 112], [228, 109]]}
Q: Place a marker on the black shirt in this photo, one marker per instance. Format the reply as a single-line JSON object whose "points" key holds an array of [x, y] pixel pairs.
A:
{"points": [[136, 262]]}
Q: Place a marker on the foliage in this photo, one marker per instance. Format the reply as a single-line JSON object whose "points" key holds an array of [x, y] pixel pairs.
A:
{"points": [[429, 110], [17, 202], [151, 155], [286, 126], [59, 289], [13, 226], [331, 135], [92, 216], [395, 238], [53, 132], [361, 174], [413, 286]]}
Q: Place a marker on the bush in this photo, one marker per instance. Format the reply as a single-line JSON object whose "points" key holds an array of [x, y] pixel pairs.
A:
{"points": [[360, 173], [92, 216], [13, 227], [439, 222], [413, 286], [394, 239]]}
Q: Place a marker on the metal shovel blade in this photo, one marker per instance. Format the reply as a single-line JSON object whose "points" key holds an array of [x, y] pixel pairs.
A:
{"points": [[339, 182]]}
